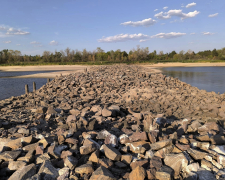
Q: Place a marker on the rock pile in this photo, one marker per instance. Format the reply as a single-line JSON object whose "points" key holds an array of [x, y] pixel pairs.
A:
{"points": [[113, 122]]}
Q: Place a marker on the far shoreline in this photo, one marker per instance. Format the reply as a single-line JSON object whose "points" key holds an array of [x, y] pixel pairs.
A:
{"points": [[68, 69]]}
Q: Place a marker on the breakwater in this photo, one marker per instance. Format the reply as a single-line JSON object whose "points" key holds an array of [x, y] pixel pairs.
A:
{"points": [[113, 122]]}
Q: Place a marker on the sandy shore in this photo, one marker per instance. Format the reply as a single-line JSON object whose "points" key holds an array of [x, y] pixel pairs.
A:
{"points": [[156, 67], [60, 69], [67, 69]]}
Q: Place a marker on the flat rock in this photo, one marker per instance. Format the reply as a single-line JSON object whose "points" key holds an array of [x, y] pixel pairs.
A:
{"points": [[177, 162], [161, 144], [9, 155]]}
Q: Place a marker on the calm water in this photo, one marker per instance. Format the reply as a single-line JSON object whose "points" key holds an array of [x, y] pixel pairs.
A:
{"points": [[15, 86], [207, 78]]}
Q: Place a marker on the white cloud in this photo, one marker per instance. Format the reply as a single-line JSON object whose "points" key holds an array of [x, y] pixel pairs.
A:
{"points": [[168, 35], [34, 42], [54, 43], [124, 37], [192, 34], [140, 37], [18, 44], [143, 40], [161, 16], [191, 5], [213, 15], [156, 10], [7, 42], [207, 33], [182, 15], [165, 8], [12, 31], [145, 22]]}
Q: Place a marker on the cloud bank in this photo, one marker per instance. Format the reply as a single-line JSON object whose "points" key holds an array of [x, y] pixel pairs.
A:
{"points": [[145, 22], [141, 37], [12, 31], [176, 13]]}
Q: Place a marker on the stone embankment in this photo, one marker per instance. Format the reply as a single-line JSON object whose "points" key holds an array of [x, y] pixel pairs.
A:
{"points": [[113, 122]]}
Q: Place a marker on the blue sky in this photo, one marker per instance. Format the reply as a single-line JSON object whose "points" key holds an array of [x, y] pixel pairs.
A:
{"points": [[33, 26]]}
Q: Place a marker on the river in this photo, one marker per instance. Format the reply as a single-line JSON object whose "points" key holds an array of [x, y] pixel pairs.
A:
{"points": [[206, 78], [10, 86]]}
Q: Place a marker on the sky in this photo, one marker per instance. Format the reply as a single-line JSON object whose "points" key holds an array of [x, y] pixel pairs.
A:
{"points": [[33, 26]]}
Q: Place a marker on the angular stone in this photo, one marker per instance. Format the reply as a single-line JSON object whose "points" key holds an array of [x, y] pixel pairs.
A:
{"points": [[64, 154], [107, 163], [152, 135], [42, 158], [9, 155], [165, 173], [124, 138], [71, 162], [218, 149], [120, 164], [23, 131], [197, 155], [164, 151], [126, 158], [24, 173], [94, 156], [138, 136], [177, 162], [87, 149], [84, 169], [102, 173], [161, 144], [103, 134], [139, 146], [142, 163], [14, 144], [71, 118], [106, 113], [48, 171], [15, 165], [209, 126], [156, 162], [111, 140], [111, 153], [182, 147], [138, 173]]}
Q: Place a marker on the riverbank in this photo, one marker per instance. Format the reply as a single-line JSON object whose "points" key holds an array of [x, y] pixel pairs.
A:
{"points": [[156, 68], [68, 69], [60, 69]]}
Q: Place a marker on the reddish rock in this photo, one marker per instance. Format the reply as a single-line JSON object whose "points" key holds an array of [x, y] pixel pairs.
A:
{"points": [[138, 136], [137, 174]]}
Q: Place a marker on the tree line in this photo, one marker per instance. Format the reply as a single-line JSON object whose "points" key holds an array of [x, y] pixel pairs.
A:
{"points": [[99, 55]]}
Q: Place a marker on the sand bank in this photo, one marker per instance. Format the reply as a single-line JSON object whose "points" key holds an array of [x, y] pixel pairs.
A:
{"points": [[60, 69]]}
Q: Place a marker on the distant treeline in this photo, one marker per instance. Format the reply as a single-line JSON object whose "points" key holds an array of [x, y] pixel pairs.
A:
{"points": [[69, 56]]}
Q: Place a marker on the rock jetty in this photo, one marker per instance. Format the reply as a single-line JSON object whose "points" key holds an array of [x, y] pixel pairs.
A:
{"points": [[113, 122]]}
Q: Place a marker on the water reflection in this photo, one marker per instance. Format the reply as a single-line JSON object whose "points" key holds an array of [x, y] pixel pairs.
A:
{"points": [[207, 78]]}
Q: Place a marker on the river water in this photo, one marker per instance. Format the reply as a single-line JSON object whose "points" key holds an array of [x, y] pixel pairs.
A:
{"points": [[206, 78], [16, 86]]}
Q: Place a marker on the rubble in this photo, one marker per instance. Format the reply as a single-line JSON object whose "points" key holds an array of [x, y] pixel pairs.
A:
{"points": [[113, 122]]}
